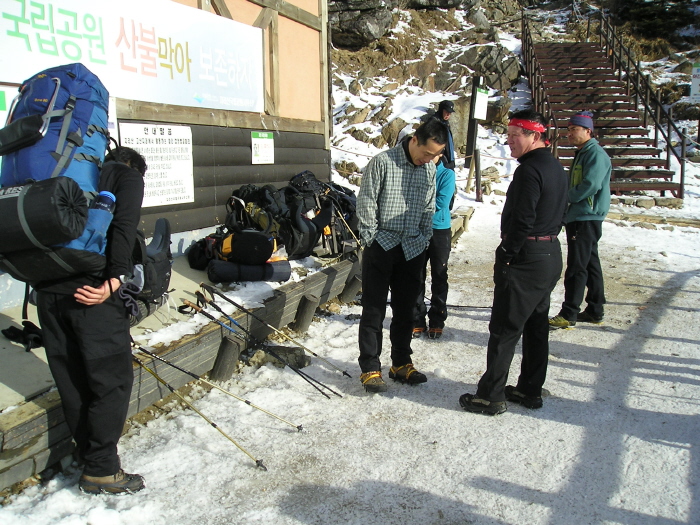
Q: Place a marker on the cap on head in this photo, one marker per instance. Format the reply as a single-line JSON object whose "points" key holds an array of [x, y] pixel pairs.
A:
{"points": [[583, 119], [446, 105]]}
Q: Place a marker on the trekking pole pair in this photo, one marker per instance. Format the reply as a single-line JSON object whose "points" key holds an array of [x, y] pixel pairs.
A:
{"points": [[255, 342], [258, 462], [213, 291], [213, 385]]}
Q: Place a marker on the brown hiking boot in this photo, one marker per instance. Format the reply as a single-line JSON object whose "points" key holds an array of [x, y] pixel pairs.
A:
{"points": [[407, 374], [119, 483], [373, 382]]}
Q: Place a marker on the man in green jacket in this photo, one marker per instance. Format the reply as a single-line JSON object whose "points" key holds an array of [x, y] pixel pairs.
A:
{"points": [[589, 202]]}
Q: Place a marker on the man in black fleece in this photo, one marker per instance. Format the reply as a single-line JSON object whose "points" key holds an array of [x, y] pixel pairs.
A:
{"points": [[528, 266], [86, 334]]}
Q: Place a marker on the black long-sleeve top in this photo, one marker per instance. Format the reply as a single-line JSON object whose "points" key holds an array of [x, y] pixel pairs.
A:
{"points": [[535, 202]]}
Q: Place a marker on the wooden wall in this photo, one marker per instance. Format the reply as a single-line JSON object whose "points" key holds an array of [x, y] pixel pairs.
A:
{"points": [[222, 162]]}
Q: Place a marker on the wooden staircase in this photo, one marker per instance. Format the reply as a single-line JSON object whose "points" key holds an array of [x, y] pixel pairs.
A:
{"points": [[580, 76]]}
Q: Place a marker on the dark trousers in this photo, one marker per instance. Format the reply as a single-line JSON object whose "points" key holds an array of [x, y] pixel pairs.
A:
{"points": [[438, 254], [521, 307], [583, 270], [89, 354], [383, 271]]}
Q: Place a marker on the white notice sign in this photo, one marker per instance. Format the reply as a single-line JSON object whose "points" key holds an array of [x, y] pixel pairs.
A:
{"points": [[482, 104], [695, 85], [168, 153], [263, 146]]}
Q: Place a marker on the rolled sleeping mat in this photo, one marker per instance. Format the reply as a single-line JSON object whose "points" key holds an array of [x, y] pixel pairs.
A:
{"points": [[43, 213], [227, 272]]}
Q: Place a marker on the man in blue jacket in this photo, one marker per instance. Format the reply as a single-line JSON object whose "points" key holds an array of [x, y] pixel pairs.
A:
{"points": [[438, 252], [589, 202]]}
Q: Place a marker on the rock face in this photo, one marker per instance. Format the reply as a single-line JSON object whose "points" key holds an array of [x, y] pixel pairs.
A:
{"points": [[413, 56]]}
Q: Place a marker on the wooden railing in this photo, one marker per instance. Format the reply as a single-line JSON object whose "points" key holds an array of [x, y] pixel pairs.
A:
{"points": [[540, 99], [644, 94]]}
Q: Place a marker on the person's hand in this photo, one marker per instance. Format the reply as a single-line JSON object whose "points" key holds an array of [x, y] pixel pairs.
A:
{"points": [[89, 295]]}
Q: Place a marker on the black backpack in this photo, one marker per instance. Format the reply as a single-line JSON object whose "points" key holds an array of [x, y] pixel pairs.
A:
{"points": [[157, 261]]}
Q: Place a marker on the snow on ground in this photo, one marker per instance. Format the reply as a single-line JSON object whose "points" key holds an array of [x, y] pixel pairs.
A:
{"points": [[615, 443]]}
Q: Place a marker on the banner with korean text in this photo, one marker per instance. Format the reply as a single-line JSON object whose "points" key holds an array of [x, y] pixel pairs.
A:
{"points": [[147, 50]]}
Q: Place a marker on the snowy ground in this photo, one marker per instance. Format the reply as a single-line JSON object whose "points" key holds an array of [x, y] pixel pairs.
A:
{"points": [[615, 443]]}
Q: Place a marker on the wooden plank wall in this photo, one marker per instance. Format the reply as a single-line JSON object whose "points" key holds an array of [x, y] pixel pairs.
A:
{"points": [[222, 162], [35, 436]]}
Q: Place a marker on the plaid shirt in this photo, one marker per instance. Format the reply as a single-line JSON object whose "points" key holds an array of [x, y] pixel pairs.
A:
{"points": [[396, 202]]}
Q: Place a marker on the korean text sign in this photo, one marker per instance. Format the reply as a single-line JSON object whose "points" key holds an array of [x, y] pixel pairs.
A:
{"points": [[153, 51]]}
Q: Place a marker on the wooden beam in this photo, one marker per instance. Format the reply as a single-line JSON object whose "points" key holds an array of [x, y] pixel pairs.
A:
{"points": [[221, 9], [155, 112], [292, 12], [268, 21], [324, 45]]}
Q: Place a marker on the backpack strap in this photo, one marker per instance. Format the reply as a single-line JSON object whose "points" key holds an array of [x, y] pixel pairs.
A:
{"points": [[63, 150]]}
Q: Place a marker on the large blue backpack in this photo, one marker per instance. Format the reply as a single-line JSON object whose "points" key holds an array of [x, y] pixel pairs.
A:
{"points": [[53, 147]]}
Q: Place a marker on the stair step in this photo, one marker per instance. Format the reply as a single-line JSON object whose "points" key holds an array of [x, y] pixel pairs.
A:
{"points": [[624, 141], [609, 123], [626, 185], [569, 151], [577, 105], [584, 84], [586, 98], [597, 114], [622, 173], [581, 63], [625, 162]]}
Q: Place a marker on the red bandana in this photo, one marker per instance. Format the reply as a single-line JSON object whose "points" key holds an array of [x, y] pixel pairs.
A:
{"points": [[527, 124]]}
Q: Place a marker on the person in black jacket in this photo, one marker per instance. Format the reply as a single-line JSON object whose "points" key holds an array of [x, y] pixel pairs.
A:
{"points": [[88, 346], [528, 266]]}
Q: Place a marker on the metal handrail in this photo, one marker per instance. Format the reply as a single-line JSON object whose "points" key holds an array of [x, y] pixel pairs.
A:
{"points": [[622, 59], [540, 98]]}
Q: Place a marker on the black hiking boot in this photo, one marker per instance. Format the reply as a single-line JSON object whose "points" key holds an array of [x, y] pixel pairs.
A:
{"points": [[587, 317], [407, 374], [477, 405], [515, 396], [119, 483]]}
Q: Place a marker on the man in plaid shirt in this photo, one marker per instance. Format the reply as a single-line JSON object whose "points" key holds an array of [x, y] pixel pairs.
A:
{"points": [[395, 208]]}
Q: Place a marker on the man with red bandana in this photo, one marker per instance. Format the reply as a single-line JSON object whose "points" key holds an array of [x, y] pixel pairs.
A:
{"points": [[528, 266]]}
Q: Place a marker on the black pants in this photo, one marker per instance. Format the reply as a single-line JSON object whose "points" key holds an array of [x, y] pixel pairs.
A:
{"points": [[583, 270], [383, 271], [438, 254], [521, 307], [89, 354]]}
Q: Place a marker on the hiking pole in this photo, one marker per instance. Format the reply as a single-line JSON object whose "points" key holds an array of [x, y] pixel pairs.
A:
{"points": [[256, 342], [213, 290], [224, 325], [258, 462], [214, 385]]}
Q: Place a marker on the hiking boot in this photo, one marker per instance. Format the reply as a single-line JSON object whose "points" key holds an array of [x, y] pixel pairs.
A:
{"points": [[558, 321], [587, 317], [119, 483], [514, 396], [477, 405], [435, 333], [373, 382], [418, 331], [407, 374]]}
